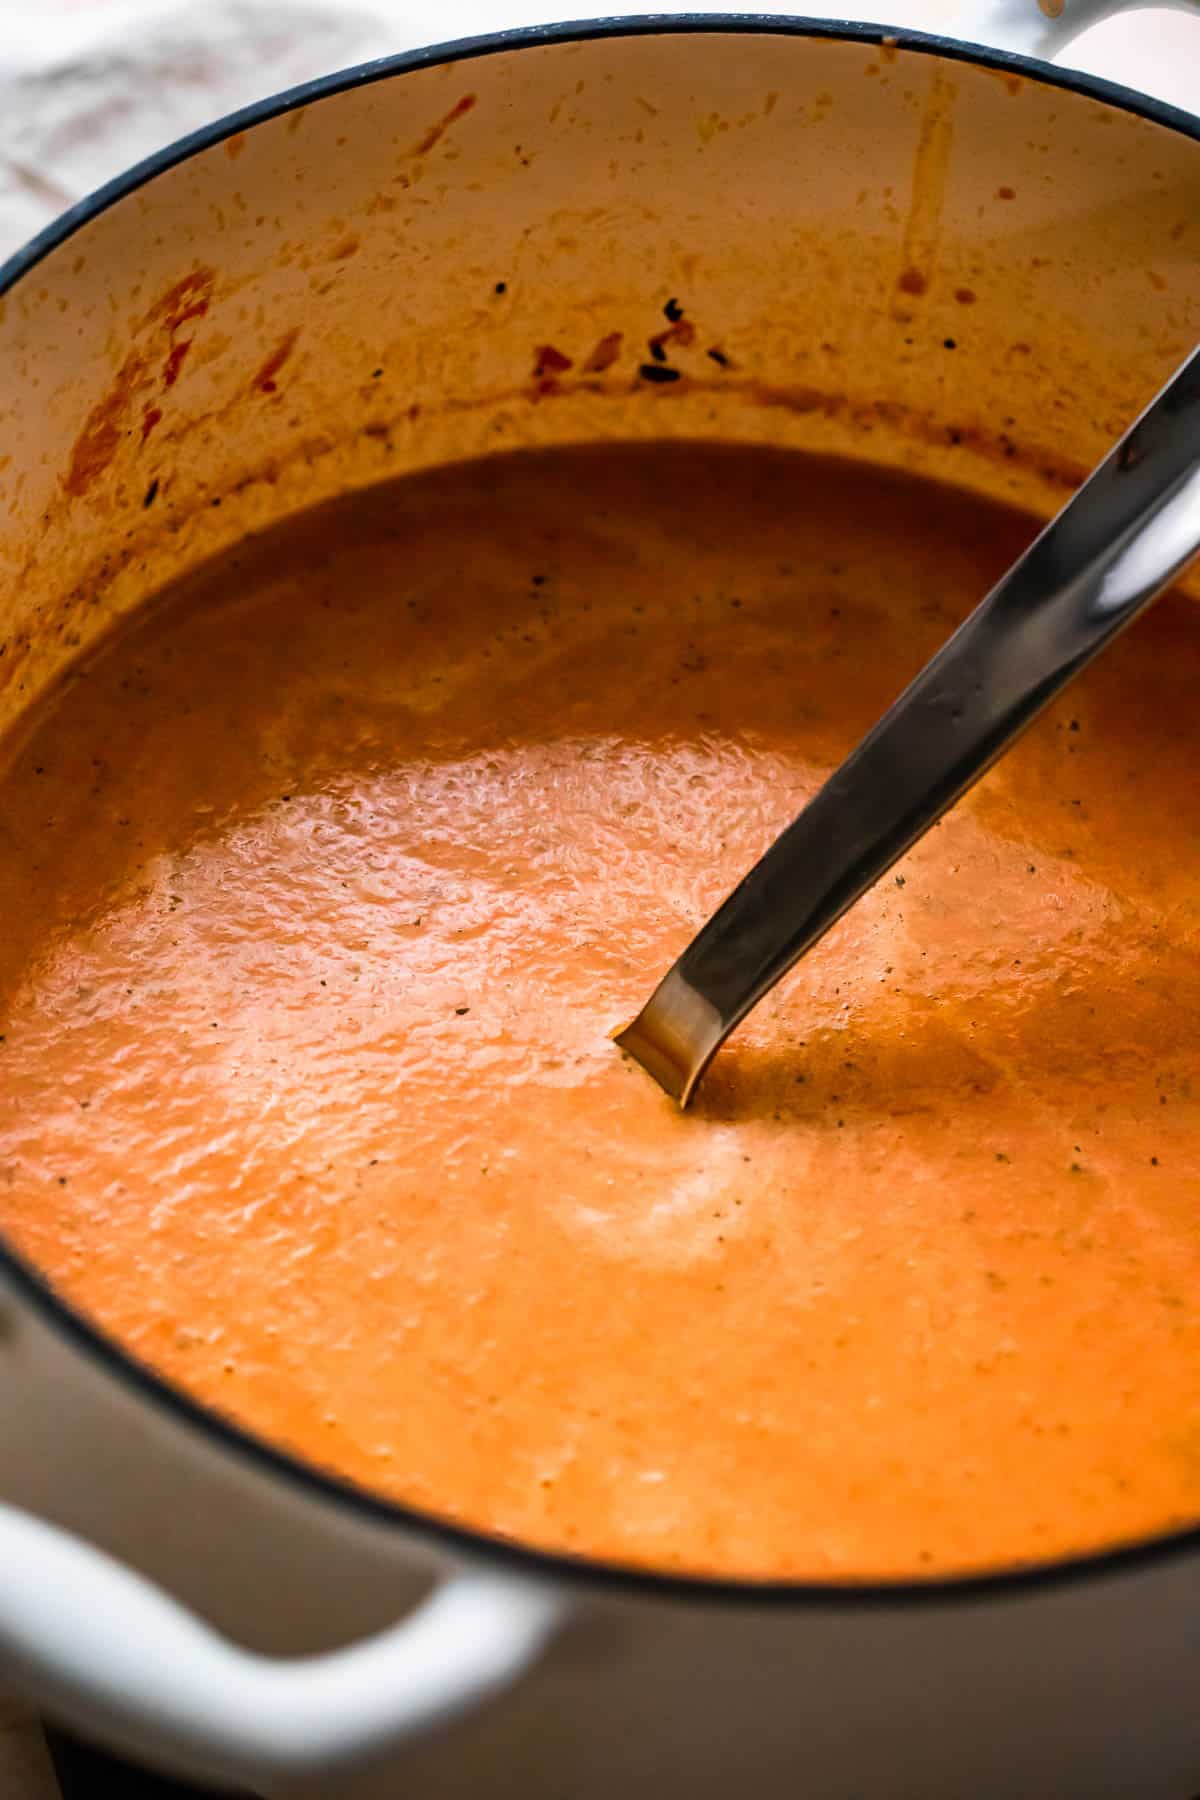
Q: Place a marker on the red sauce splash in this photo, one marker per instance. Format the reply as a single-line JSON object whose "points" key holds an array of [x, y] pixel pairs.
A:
{"points": [[104, 427], [605, 354], [175, 360], [548, 364], [265, 380], [549, 361], [439, 130], [111, 418], [681, 332], [184, 300]]}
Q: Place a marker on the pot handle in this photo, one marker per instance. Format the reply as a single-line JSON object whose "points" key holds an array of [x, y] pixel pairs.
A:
{"points": [[1040, 28], [110, 1654]]}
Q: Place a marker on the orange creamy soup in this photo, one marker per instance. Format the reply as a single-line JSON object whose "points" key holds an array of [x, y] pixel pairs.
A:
{"points": [[324, 886]]}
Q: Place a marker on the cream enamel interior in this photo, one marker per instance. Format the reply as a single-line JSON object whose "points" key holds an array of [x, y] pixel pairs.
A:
{"points": [[825, 205]]}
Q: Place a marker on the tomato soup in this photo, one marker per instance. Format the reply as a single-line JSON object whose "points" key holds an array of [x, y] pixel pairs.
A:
{"points": [[324, 886]]}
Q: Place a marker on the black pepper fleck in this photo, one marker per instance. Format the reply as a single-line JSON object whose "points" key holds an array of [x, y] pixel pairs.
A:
{"points": [[673, 311], [151, 494], [657, 372]]}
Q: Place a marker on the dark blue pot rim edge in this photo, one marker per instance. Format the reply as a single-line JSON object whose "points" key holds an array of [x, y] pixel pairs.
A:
{"points": [[317, 1484]]}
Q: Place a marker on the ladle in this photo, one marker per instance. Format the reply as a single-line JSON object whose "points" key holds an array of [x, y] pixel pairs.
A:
{"points": [[1123, 538]]}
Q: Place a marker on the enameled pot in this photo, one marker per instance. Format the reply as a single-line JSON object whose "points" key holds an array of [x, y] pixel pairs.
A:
{"points": [[906, 249]]}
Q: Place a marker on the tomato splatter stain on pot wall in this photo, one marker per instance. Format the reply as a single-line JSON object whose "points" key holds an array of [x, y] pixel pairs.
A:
{"points": [[175, 360], [548, 364], [438, 131], [681, 332], [931, 163], [265, 381], [104, 427], [111, 418], [186, 299], [605, 354]]}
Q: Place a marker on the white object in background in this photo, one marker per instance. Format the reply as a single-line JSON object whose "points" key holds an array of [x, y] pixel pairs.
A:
{"points": [[1052, 28], [85, 94], [1156, 50]]}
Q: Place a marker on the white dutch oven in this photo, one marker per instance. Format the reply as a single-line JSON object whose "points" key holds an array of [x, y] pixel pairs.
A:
{"points": [[909, 250]]}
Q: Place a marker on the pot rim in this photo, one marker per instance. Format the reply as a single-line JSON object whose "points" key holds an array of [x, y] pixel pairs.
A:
{"points": [[228, 1437]]}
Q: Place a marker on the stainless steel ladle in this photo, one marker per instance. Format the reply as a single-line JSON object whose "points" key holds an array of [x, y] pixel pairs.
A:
{"points": [[1114, 547]]}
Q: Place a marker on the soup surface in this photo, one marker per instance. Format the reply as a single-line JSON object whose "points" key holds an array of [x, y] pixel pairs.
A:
{"points": [[323, 888]]}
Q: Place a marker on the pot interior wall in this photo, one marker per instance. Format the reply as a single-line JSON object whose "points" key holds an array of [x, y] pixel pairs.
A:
{"points": [[892, 254]]}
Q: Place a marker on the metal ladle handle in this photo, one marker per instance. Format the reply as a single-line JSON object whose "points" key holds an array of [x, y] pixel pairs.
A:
{"points": [[1118, 543]]}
